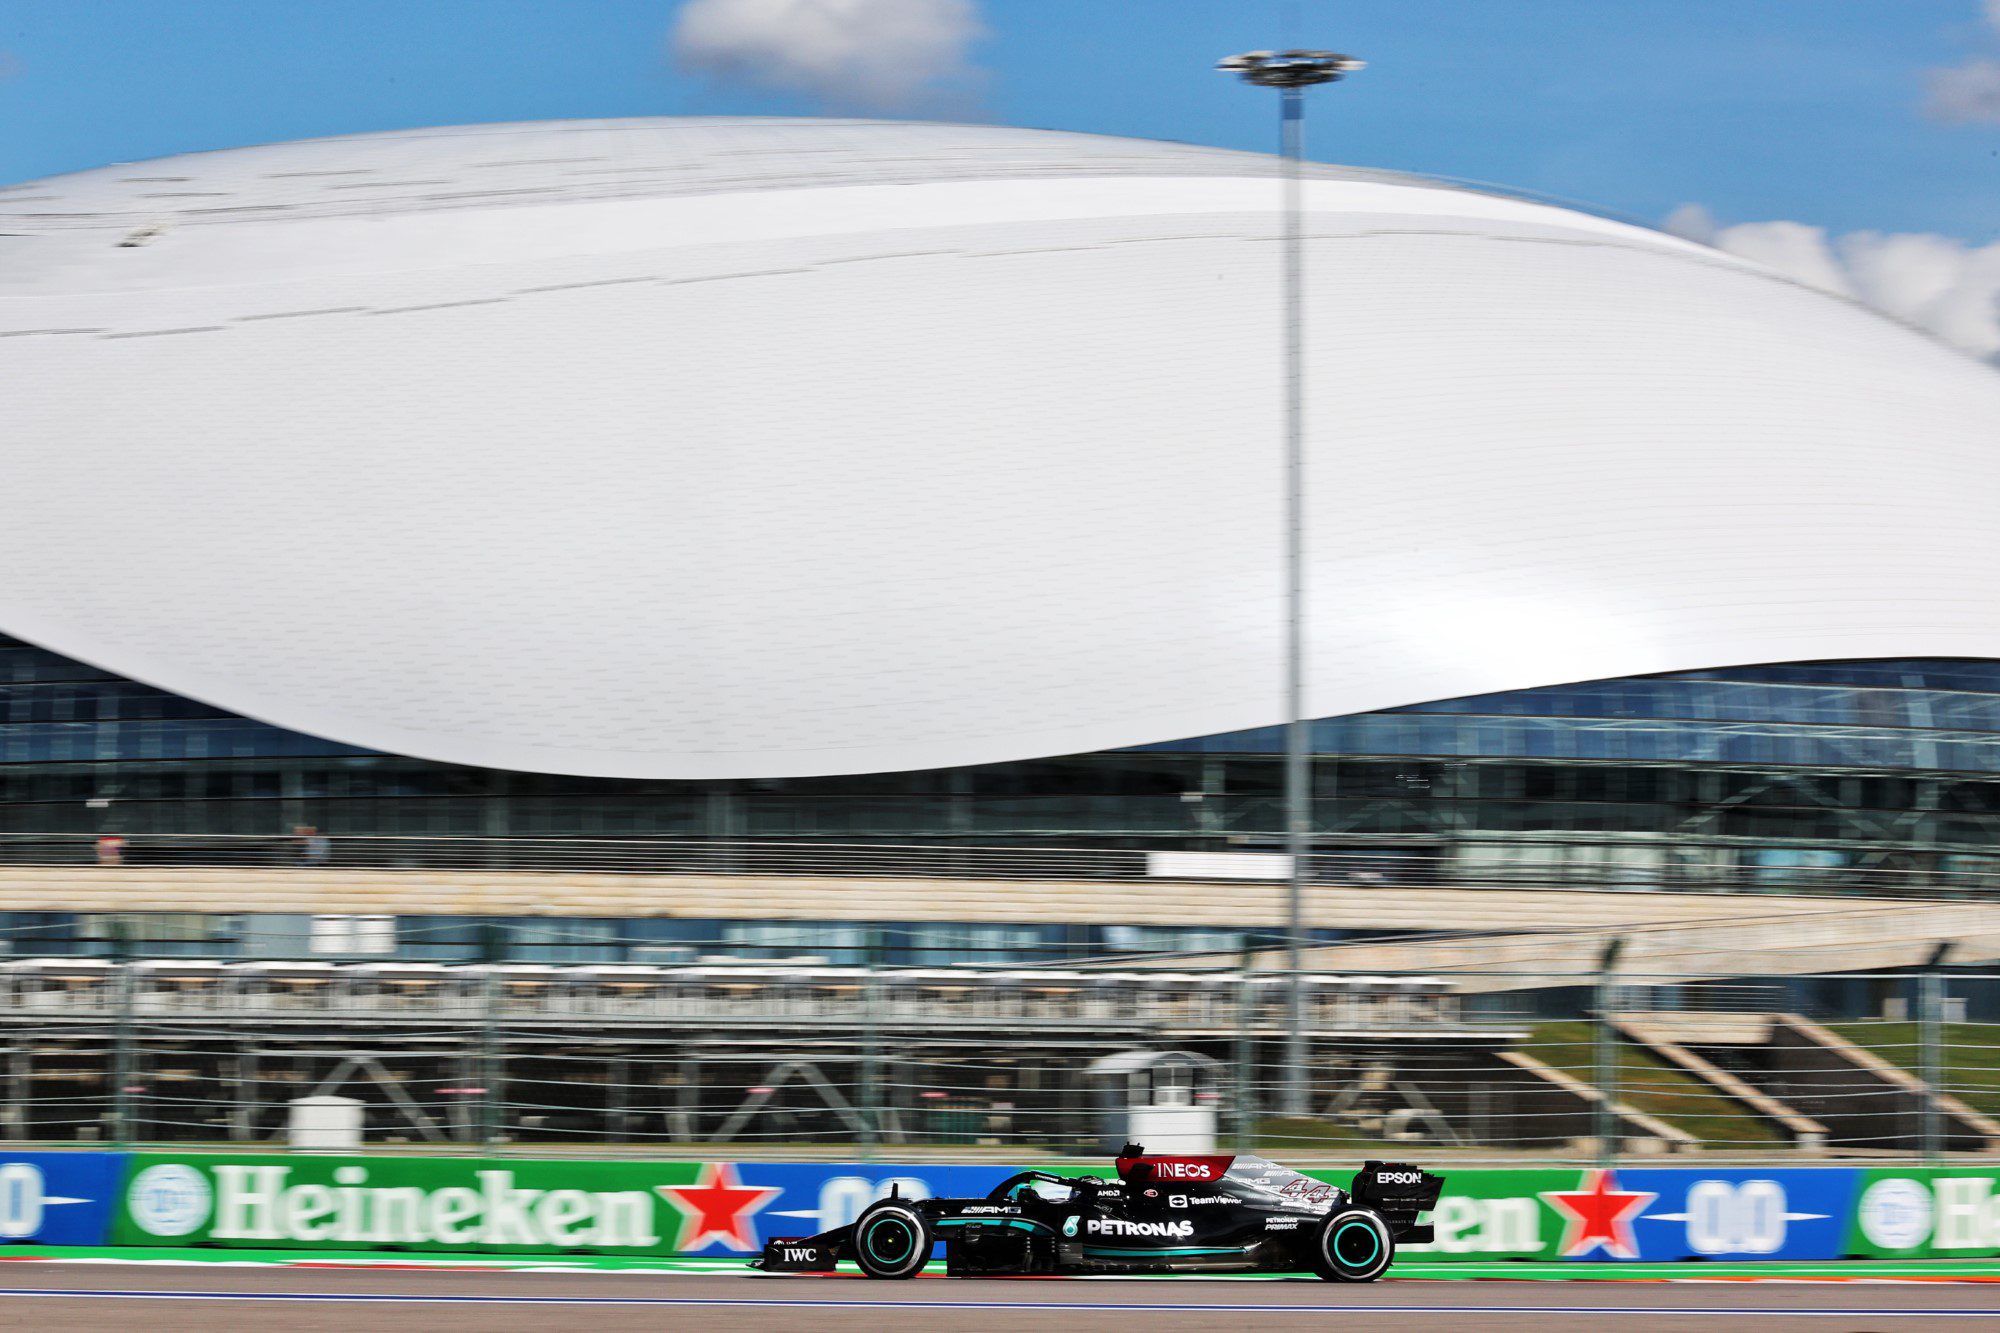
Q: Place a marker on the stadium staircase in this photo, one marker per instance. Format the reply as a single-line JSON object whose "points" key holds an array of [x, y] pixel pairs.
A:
{"points": [[1810, 1083]]}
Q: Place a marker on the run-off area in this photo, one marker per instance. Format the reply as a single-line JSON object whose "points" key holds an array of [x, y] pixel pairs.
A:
{"points": [[304, 1296]]}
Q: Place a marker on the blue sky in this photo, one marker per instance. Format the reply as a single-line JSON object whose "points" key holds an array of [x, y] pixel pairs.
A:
{"points": [[1758, 109]]}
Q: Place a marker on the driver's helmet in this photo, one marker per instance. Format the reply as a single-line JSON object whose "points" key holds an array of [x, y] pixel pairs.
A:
{"points": [[1049, 1191]]}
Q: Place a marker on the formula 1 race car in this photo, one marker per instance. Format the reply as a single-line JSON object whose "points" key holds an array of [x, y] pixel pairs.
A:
{"points": [[1161, 1215]]}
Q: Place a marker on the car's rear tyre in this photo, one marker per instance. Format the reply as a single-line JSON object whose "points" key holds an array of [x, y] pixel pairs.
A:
{"points": [[1353, 1245], [892, 1240]]}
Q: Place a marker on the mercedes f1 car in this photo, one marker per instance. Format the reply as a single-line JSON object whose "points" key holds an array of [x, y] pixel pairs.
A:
{"points": [[1162, 1214]]}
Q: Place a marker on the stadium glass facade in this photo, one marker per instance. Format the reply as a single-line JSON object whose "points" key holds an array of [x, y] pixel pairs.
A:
{"points": [[1772, 771], [1886, 760]]}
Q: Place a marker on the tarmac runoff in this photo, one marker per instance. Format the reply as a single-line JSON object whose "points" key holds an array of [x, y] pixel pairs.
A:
{"points": [[314, 1296], [62, 1290]]}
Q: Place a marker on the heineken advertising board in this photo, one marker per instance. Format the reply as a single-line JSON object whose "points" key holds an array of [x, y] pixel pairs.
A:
{"points": [[732, 1208], [1942, 1213], [504, 1205]]}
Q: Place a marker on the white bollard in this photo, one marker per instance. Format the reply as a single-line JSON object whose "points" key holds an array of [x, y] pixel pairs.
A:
{"points": [[326, 1124]]}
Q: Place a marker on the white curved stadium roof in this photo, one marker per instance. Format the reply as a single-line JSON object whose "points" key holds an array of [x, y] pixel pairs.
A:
{"points": [[715, 448]]}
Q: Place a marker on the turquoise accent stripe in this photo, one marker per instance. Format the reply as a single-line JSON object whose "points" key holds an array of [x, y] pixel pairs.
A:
{"points": [[1025, 1223], [1179, 1249]]}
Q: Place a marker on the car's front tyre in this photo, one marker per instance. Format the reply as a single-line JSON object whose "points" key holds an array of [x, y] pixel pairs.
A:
{"points": [[1352, 1245], [892, 1240]]}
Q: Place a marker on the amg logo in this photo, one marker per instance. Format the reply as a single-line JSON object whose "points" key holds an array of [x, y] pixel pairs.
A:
{"points": [[1118, 1226], [1185, 1171]]}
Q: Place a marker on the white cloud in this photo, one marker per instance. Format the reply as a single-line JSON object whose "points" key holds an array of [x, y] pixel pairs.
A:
{"points": [[1934, 282], [1691, 222], [1793, 248], [871, 55], [1964, 94], [1967, 93]]}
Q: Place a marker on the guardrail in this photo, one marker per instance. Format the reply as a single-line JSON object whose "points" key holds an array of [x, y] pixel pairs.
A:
{"points": [[1469, 864]]}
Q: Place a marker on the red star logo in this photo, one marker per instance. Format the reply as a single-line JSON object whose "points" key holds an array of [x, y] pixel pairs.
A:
{"points": [[1600, 1215], [716, 1208]]}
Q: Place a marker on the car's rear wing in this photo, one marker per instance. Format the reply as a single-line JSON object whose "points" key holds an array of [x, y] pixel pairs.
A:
{"points": [[1399, 1192]]}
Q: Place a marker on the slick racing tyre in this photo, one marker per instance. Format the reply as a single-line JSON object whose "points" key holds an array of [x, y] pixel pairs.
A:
{"points": [[892, 1240], [1353, 1245]]}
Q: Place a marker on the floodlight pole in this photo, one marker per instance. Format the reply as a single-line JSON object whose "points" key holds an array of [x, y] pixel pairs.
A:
{"points": [[1297, 1099], [1291, 73]]}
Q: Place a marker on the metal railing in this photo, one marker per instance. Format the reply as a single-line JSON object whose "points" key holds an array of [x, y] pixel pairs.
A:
{"points": [[229, 995], [788, 1061]]}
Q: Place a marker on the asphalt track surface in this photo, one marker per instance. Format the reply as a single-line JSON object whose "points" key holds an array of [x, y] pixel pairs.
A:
{"points": [[162, 1299]]}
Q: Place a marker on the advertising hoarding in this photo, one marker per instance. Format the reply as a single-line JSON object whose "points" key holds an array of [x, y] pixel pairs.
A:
{"points": [[58, 1198]]}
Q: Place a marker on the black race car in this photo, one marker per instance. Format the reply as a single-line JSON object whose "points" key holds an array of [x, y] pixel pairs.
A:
{"points": [[1162, 1214]]}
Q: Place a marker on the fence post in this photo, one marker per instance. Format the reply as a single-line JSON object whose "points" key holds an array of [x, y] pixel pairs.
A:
{"points": [[871, 1051], [1930, 1056], [1246, 1053], [492, 1074], [122, 1063], [1605, 1053]]}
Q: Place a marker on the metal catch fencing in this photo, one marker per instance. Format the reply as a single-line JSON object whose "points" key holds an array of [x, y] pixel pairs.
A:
{"points": [[852, 1061]]}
